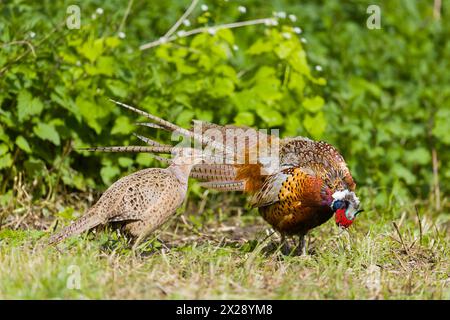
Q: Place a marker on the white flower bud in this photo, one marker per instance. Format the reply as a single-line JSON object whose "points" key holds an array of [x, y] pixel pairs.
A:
{"points": [[286, 35], [242, 9], [280, 14]]}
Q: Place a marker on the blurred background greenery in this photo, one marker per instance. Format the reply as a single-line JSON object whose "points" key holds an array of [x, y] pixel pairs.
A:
{"points": [[381, 96]]}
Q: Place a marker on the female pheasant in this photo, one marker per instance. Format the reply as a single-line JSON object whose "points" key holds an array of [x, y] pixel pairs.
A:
{"points": [[308, 183], [140, 202]]}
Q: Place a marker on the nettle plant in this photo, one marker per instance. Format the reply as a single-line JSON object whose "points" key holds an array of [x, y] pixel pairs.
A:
{"points": [[54, 100]]}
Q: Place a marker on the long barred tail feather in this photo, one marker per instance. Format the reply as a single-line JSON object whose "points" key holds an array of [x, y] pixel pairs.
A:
{"points": [[149, 141], [137, 149], [151, 125], [84, 223], [224, 185], [214, 172]]}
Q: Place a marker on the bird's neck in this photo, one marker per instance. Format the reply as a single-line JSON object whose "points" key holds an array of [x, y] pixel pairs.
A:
{"points": [[181, 172]]}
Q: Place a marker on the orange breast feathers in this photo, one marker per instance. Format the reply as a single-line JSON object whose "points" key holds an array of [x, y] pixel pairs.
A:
{"points": [[300, 205], [301, 189]]}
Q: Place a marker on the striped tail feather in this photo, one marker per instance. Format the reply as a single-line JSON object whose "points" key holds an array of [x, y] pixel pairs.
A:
{"points": [[224, 185], [151, 125], [84, 223], [214, 172], [137, 149], [149, 141]]}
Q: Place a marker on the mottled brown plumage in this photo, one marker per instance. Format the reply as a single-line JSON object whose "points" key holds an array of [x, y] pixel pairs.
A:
{"points": [[140, 202]]}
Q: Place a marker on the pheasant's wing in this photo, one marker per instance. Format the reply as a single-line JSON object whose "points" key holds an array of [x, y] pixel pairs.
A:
{"points": [[324, 158], [299, 186], [269, 192], [142, 192]]}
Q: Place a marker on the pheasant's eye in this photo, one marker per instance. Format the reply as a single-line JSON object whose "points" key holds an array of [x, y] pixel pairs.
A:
{"points": [[338, 204]]}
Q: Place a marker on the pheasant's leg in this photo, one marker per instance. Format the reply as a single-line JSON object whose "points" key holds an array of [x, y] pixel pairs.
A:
{"points": [[284, 245], [301, 248]]}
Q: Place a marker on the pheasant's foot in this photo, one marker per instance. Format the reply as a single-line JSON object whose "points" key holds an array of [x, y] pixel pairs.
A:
{"points": [[301, 248], [285, 247]]}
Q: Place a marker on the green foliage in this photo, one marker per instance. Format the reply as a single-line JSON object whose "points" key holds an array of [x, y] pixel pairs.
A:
{"points": [[54, 98], [385, 104], [388, 98]]}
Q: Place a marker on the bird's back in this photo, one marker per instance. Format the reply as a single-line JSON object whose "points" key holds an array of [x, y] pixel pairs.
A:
{"points": [[133, 195]]}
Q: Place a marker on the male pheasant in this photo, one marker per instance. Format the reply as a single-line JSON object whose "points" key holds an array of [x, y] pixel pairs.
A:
{"points": [[140, 202], [308, 183]]}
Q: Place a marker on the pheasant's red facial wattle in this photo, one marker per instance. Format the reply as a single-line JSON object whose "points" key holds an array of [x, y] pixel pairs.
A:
{"points": [[341, 219]]}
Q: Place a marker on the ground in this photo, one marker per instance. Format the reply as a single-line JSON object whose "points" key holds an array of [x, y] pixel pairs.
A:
{"points": [[220, 249]]}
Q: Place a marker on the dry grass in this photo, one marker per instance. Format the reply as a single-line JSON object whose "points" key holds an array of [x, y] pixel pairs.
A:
{"points": [[390, 253]]}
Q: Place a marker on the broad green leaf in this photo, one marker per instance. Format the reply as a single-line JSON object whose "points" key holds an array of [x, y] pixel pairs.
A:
{"points": [[270, 116], [222, 87], [260, 46], [418, 156], [264, 73], [91, 49], [125, 162], [106, 65], [6, 161], [244, 118], [3, 149], [35, 167], [293, 124], [442, 126], [227, 35], [92, 112], [315, 125], [227, 71], [112, 42], [185, 117], [108, 173], [22, 143], [47, 132], [144, 159], [284, 49], [122, 125], [268, 90], [27, 105], [118, 88], [402, 172], [184, 68], [313, 104]]}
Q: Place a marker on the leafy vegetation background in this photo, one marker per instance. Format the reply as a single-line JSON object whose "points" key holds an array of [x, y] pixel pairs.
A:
{"points": [[381, 96]]}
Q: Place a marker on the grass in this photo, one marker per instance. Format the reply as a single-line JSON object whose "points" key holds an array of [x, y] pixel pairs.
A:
{"points": [[391, 252]]}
